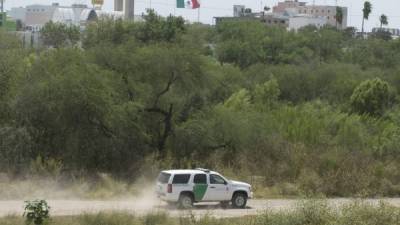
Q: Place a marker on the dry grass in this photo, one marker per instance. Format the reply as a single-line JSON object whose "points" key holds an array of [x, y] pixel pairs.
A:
{"points": [[306, 213]]}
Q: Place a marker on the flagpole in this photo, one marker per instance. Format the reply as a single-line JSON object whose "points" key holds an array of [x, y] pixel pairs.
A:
{"points": [[198, 15], [174, 5]]}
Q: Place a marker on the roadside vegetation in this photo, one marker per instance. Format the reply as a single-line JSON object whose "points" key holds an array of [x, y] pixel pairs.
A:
{"points": [[306, 213], [309, 113]]}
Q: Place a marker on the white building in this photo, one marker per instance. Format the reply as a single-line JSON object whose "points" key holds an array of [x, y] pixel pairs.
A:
{"points": [[17, 13], [238, 10], [34, 17], [302, 20], [393, 31]]}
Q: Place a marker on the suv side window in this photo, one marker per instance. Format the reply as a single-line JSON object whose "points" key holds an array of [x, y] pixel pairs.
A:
{"points": [[164, 178], [215, 179], [181, 179], [200, 179]]}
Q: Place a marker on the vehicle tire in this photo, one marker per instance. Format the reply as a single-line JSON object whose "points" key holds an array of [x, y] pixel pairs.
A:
{"points": [[239, 200], [185, 201], [224, 204]]}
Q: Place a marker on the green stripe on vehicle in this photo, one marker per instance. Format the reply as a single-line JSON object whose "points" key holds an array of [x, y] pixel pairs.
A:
{"points": [[199, 191]]}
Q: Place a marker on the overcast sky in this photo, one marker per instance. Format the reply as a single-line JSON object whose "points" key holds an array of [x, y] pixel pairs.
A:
{"points": [[212, 8]]}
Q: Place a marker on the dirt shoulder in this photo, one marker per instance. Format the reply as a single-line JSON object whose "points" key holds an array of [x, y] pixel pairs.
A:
{"points": [[76, 207]]}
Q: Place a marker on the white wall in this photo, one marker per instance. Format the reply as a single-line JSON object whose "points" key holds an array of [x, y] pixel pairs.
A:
{"points": [[17, 13], [298, 22]]}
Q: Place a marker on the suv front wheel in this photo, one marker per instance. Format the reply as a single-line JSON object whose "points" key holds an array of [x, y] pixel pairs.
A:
{"points": [[185, 201], [239, 200]]}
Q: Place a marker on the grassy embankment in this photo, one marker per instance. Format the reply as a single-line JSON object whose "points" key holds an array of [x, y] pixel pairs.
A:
{"points": [[309, 212]]}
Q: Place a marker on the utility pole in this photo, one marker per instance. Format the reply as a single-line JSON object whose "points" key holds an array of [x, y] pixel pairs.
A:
{"points": [[2, 16]]}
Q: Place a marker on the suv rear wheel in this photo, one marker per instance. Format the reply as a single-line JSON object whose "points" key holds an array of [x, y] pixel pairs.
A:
{"points": [[185, 201], [239, 200]]}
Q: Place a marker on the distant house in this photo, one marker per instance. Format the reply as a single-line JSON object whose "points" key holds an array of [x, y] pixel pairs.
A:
{"points": [[34, 17], [292, 15], [326, 11], [393, 31], [302, 20]]}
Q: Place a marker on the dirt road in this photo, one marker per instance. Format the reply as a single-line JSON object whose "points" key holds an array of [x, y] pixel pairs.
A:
{"points": [[76, 207]]}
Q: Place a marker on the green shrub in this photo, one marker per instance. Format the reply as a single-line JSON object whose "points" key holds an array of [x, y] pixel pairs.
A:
{"points": [[372, 97], [36, 212]]}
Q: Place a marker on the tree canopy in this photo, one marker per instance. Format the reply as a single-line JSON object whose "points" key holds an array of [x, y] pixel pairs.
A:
{"points": [[316, 109]]}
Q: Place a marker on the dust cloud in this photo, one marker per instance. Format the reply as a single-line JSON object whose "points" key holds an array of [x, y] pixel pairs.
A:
{"points": [[102, 188]]}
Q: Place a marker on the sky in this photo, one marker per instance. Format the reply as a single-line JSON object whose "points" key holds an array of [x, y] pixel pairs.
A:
{"points": [[213, 8]]}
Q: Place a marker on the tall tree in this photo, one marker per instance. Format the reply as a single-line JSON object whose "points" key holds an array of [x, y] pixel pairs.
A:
{"points": [[366, 12], [339, 16], [383, 20], [59, 35]]}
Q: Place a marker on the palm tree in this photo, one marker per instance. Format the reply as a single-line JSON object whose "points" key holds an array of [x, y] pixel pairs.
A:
{"points": [[366, 11], [384, 20], [339, 16]]}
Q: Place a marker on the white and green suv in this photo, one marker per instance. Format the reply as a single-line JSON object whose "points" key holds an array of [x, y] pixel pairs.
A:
{"points": [[186, 187]]}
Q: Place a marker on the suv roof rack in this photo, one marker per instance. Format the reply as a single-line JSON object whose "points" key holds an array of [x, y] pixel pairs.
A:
{"points": [[204, 170]]}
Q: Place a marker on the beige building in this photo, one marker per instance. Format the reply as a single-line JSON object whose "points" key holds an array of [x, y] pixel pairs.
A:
{"points": [[328, 12], [287, 4], [272, 19]]}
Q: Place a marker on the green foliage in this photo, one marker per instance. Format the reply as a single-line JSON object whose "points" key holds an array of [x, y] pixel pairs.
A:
{"points": [[366, 12], [239, 101], [367, 9], [371, 97], [59, 35], [383, 19], [241, 96], [36, 212], [267, 94], [241, 42], [339, 15], [307, 212], [156, 29]]}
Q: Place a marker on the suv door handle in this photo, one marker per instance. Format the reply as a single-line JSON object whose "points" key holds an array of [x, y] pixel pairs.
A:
{"points": [[212, 187]]}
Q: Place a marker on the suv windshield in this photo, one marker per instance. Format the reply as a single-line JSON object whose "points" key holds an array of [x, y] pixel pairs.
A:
{"points": [[164, 178]]}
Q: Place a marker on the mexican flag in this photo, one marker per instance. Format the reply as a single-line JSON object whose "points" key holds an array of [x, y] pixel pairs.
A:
{"points": [[190, 4]]}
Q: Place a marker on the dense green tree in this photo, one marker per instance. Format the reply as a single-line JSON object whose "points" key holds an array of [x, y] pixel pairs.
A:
{"points": [[366, 12], [339, 16], [299, 112], [371, 97], [267, 94], [156, 28], [241, 42], [383, 19], [12, 65], [59, 35]]}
